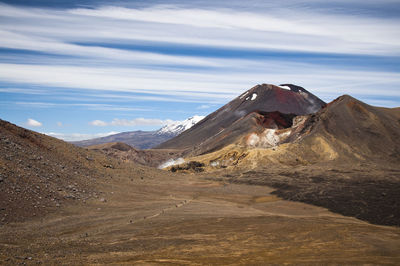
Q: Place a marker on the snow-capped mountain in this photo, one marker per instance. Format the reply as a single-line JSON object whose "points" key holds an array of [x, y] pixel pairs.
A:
{"points": [[178, 127], [145, 139]]}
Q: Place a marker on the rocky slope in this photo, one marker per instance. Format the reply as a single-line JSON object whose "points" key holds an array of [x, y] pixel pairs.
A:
{"points": [[344, 157], [346, 130], [263, 105], [39, 174]]}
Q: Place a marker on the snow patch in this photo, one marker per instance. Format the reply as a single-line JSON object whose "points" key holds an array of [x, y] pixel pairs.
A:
{"points": [[254, 96], [285, 87], [171, 162], [243, 95], [178, 127]]}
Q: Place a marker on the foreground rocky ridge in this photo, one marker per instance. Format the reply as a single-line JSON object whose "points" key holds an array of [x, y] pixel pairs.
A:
{"points": [[39, 174]]}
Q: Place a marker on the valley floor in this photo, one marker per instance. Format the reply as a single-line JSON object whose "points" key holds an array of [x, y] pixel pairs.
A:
{"points": [[186, 219]]}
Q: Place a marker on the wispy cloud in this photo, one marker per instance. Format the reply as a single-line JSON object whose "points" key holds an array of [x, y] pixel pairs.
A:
{"points": [[292, 29], [89, 106], [205, 87], [310, 26], [22, 91], [95, 34], [78, 136], [204, 106], [132, 122]]}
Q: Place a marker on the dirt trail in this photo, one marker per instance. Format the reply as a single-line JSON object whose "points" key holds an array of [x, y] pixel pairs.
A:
{"points": [[178, 205], [186, 220]]}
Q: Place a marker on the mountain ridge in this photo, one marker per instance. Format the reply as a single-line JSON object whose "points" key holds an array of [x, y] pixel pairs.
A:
{"points": [[144, 139], [226, 124], [346, 130]]}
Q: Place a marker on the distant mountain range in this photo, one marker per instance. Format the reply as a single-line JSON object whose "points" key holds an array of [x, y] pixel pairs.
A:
{"points": [[144, 139]]}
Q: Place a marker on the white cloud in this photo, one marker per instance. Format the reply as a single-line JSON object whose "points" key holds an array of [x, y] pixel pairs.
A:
{"points": [[22, 91], [140, 122], [294, 29], [203, 106], [208, 87], [79, 136], [339, 27], [89, 106], [132, 122], [98, 123], [33, 123], [36, 104]]}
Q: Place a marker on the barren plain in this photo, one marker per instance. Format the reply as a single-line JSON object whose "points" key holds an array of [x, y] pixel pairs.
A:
{"points": [[150, 217]]}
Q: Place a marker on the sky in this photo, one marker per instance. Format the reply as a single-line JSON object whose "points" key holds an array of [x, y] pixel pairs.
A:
{"points": [[82, 69]]}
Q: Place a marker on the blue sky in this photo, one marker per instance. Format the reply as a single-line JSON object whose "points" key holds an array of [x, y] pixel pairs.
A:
{"points": [[81, 69]]}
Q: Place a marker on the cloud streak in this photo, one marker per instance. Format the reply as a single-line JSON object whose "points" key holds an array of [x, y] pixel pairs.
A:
{"points": [[78, 34], [132, 122], [78, 136], [291, 29], [339, 27], [206, 87]]}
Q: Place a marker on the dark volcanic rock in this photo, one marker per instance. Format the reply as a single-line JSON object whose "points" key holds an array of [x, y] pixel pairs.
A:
{"points": [[239, 117], [191, 166]]}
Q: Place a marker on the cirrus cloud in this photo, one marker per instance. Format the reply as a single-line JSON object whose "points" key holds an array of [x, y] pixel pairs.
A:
{"points": [[78, 136], [132, 122]]}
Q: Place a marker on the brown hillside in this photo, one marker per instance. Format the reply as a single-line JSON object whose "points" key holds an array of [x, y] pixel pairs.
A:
{"points": [[346, 130], [39, 174], [345, 158], [353, 129]]}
